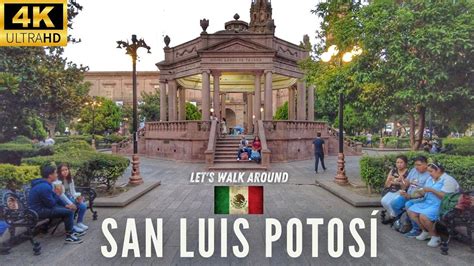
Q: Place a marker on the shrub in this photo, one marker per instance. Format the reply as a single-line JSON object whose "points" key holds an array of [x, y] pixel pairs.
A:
{"points": [[114, 138], [87, 166], [21, 140], [72, 145], [461, 146], [14, 177], [374, 170], [86, 138], [13, 152]]}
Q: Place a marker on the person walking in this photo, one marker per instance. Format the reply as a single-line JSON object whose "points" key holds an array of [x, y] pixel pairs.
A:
{"points": [[319, 152]]}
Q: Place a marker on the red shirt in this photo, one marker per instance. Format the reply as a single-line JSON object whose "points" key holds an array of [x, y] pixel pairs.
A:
{"points": [[257, 145]]}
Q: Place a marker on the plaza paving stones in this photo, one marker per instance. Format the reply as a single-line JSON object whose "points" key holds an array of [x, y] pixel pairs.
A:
{"points": [[176, 198]]}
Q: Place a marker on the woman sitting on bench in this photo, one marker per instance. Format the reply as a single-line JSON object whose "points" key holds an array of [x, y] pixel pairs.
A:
{"points": [[64, 175], [393, 184], [426, 212]]}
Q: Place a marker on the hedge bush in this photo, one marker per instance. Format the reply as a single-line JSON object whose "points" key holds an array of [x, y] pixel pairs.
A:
{"points": [[68, 146], [14, 177], [13, 152], [459, 146], [114, 138], [87, 166], [374, 170], [86, 138]]}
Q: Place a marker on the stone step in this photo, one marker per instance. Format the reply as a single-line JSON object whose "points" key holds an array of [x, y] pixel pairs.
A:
{"points": [[225, 156], [225, 152], [220, 145], [233, 160], [238, 167]]}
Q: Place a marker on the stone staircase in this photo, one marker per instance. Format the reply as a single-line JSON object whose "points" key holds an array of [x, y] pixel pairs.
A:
{"points": [[225, 157]]}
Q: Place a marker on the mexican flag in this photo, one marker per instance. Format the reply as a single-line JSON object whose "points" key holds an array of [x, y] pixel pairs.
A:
{"points": [[238, 200]]}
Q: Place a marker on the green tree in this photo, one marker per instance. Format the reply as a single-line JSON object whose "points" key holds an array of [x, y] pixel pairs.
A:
{"points": [[150, 108], [106, 117], [39, 81], [282, 112], [417, 56], [192, 112]]}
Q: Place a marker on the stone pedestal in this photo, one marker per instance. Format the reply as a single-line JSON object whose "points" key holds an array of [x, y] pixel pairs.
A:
{"points": [[341, 178], [135, 179]]}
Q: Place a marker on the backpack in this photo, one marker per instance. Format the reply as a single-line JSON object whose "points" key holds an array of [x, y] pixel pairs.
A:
{"points": [[448, 203], [402, 224]]}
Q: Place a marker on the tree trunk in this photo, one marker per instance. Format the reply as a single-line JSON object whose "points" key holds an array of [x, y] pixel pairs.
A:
{"points": [[51, 125], [411, 117], [421, 126]]}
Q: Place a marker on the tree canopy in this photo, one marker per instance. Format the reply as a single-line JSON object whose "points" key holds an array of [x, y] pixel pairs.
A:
{"points": [[417, 56]]}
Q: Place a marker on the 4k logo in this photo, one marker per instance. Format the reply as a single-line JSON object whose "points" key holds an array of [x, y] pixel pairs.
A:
{"points": [[33, 22]]}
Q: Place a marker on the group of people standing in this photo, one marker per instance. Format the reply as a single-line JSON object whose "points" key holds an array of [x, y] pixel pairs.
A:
{"points": [[418, 192]]}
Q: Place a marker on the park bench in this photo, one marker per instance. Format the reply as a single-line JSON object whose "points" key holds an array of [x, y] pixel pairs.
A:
{"points": [[14, 209], [454, 224], [457, 224]]}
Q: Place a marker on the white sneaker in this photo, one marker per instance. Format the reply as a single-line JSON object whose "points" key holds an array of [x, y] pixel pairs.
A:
{"points": [[434, 242], [423, 236], [78, 229], [238, 159], [82, 226]]}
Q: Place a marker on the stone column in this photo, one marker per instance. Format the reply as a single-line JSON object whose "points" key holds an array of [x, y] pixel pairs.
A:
{"points": [[206, 95], [311, 103], [291, 104], [268, 96], [182, 104], [301, 106], [172, 100], [163, 107], [250, 111], [223, 96], [216, 97], [258, 96]]}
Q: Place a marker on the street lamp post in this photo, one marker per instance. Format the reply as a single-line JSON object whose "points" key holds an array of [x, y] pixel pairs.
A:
{"points": [[94, 103], [341, 177], [131, 49]]}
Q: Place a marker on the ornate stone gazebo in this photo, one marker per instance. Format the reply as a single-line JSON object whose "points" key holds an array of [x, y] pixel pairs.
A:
{"points": [[247, 59], [243, 58]]}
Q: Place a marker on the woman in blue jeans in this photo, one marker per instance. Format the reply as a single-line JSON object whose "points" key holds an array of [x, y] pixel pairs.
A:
{"points": [[65, 176]]}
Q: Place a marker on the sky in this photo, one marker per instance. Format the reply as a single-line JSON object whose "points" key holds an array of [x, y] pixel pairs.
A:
{"points": [[103, 22]]}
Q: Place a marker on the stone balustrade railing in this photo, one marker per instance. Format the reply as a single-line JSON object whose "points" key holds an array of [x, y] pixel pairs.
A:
{"points": [[185, 130], [266, 153], [211, 145], [275, 130]]}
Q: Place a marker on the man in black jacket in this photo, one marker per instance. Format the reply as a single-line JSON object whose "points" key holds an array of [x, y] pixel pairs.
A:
{"points": [[319, 152]]}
